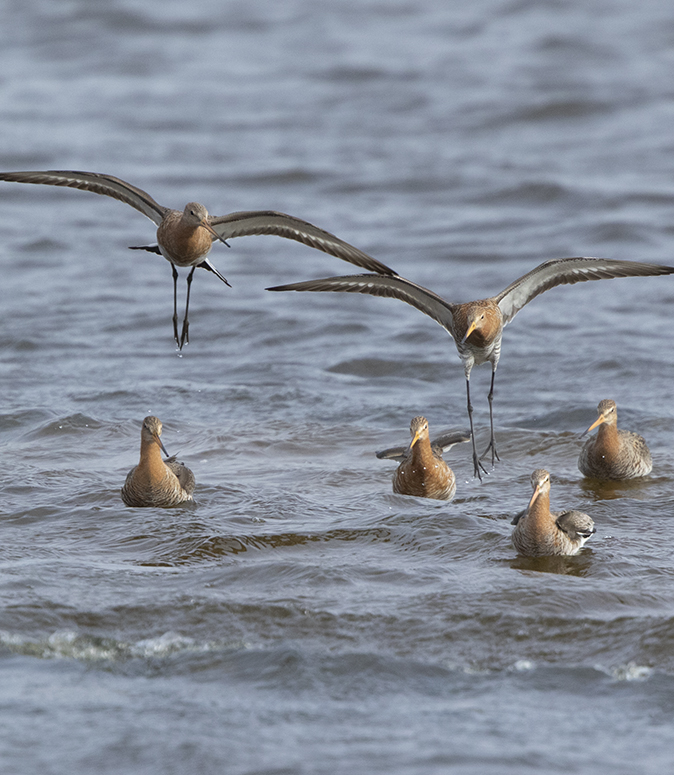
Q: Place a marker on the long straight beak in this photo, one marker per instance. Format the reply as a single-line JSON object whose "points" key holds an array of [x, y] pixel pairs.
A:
{"points": [[416, 438], [210, 229], [535, 495], [161, 445], [471, 328], [597, 422]]}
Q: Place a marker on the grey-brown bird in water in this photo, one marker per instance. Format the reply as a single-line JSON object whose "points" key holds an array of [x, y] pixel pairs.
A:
{"points": [[185, 237], [422, 471], [477, 326], [613, 454], [155, 481], [539, 532]]}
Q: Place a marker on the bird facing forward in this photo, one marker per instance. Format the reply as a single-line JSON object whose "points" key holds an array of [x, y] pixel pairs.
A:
{"points": [[155, 481]]}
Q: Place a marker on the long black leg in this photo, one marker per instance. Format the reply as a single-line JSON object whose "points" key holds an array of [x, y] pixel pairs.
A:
{"points": [[175, 303], [184, 336], [476, 460], [492, 440]]}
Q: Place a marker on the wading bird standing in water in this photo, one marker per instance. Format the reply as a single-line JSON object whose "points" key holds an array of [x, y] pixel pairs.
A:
{"points": [[185, 237], [477, 326]]}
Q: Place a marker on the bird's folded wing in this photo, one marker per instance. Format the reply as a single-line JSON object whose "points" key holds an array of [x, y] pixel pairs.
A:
{"points": [[447, 440]]}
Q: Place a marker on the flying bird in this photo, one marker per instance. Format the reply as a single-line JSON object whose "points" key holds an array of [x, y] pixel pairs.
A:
{"points": [[477, 326], [185, 237]]}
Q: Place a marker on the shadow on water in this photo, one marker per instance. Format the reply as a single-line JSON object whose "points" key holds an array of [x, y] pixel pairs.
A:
{"points": [[603, 490], [578, 565]]}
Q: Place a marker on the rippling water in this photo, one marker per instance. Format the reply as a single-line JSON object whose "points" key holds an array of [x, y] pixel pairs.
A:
{"points": [[300, 617]]}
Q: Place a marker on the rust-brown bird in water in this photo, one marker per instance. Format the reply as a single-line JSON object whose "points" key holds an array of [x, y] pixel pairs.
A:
{"points": [[613, 454], [422, 471], [477, 326], [185, 237], [540, 532], [155, 481]]}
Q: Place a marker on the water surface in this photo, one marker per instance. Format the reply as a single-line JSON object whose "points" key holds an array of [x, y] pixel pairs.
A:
{"points": [[299, 617]]}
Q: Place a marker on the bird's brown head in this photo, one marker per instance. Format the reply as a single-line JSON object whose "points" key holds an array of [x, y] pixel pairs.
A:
{"points": [[608, 413], [482, 324], [196, 215], [151, 431], [418, 429], [540, 481]]}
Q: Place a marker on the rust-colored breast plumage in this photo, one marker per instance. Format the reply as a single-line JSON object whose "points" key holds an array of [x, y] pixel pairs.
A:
{"points": [[157, 488], [558, 533], [425, 475], [182, 243], [541, 533]]}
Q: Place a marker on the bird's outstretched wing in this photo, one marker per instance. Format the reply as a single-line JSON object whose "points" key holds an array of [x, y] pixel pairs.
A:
{"points": [[446, 441], [107, 185], [281, 225], [566, 271], [395, 287], [393, 453], [439, 444]]}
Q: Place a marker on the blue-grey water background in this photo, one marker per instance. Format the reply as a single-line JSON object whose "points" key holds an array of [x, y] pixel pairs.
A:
{"points": [[300, 617]]}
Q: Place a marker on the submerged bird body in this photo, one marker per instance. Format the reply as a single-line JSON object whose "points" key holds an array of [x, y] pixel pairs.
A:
{"points": [[422, 471], [185, 237], [613, 454], [477, 326], [541, 533], [155, 481]]}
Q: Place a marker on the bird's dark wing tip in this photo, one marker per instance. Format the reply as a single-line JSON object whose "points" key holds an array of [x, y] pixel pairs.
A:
{"points": [[392, 453], [149, 248]]}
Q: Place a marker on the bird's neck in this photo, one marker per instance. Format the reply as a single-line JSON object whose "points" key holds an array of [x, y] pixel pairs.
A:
{"points": [[151, 461], [539, 516], [608, 440], [182, 242], [422, 454], [489, 329]]}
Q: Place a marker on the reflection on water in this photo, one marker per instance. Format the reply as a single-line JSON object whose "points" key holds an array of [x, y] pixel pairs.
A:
{"points": [[640, 489], [577, 565]]}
